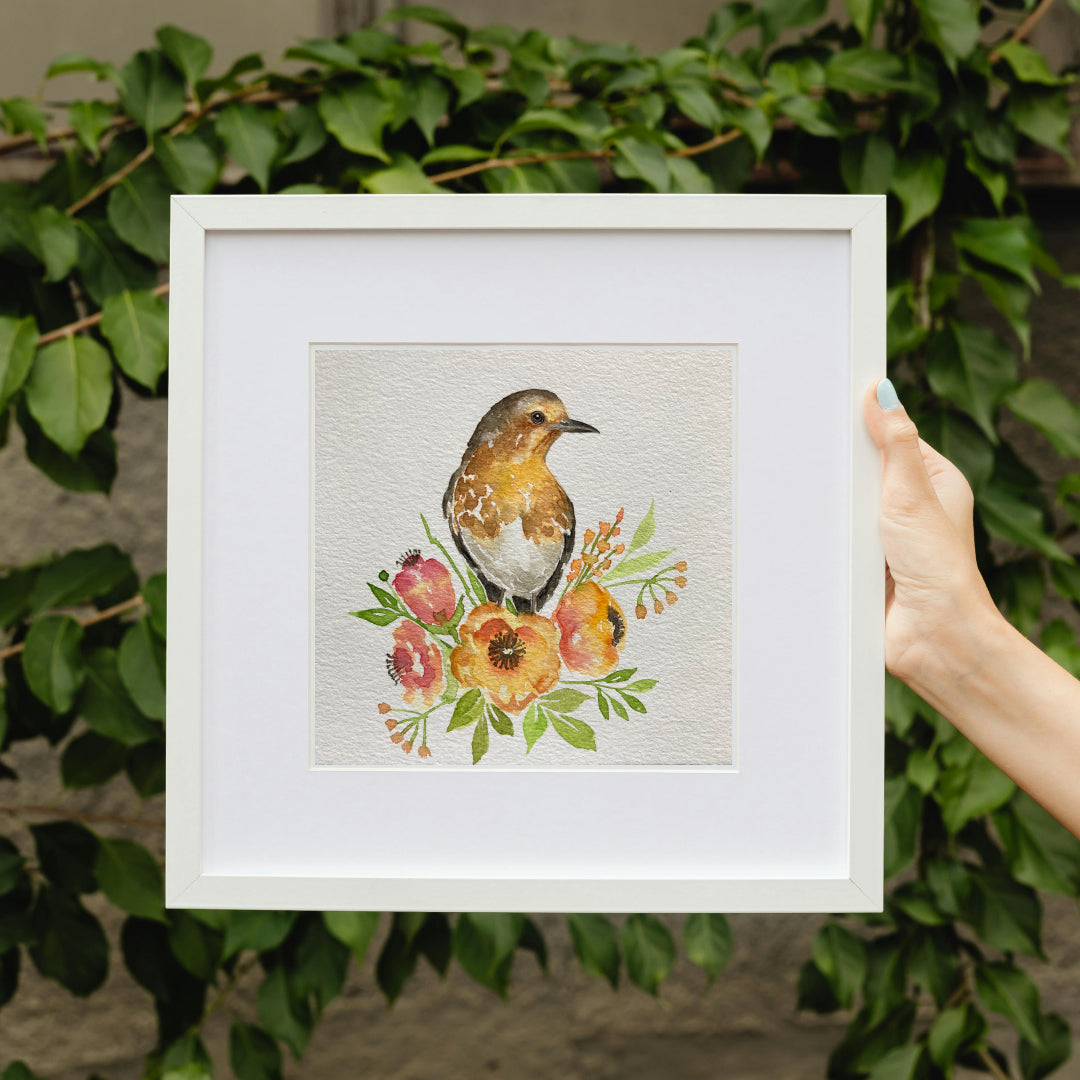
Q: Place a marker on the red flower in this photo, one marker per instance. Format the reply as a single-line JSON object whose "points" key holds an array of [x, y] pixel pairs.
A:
{"points": [[427, 589], [592, 629], [416, 663]]}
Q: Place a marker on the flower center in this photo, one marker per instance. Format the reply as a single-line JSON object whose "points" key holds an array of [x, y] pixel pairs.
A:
{"points": [[618, 627], [506, 650]]}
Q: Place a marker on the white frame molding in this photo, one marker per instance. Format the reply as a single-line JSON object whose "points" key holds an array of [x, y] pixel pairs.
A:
{"points": [[862, 217]]}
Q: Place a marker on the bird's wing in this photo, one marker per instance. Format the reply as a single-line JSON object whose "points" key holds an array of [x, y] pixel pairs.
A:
{"points": [[494, 593], [544, 594]]}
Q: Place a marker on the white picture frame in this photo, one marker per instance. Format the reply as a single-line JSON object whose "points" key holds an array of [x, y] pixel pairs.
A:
{"points": [[796, 283]]}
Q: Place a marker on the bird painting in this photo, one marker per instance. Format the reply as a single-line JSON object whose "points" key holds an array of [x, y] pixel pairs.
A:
{"points": [[509, 517]]}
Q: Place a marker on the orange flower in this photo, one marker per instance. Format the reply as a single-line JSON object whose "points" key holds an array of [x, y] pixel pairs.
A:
{"points": [[391, 724], [619, 515], [426, 587], [396, 737], [589, 560], [407, 747], [605, 528], [602, 545], [589, 537], [383, 707], [620, 548], [514, 659], [592, 628], [416, 663], [424, 752], [575, 567]]}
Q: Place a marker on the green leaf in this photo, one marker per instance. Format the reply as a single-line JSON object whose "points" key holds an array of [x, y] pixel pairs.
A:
{"points": [[480, 740], [52, 662], [971, 789], [1028, 64], [502, 723], [922, 768], [325, 51], [932, 961], [355, 116], [67, 853], [285, 1015], [21, 114], [952, 25], [137, 328], [69, 944], [707, 940], [565, 699], [195, 945], [57, 241], [469, 708], [952, 1031], [841, 958], [18, 339], [1042, 115], [91, 759], [106, 265], [69, 390], [533, 726], [151, 91], [864, 14], [687, 178], [596, 946], [145, 768], [90, 120], [1043, 405], [79, 576], [74, 62], [189, 162], [642, 159], [454, 153], [190, 54], [695, 100], [1041, 852], [645, 530], [1010, 518], [251, 138], [899, 1063], [484, 945], [918, 181], [1005, 914], [865, 71], [255, 930], [377, 616], [649, 950], [638, 564], [995, 182], [130, 877], [309, 135], [1002, 242], [1038, 1061], [574, 731], [972, 367], [404, 177], [106, 706], [902, 808], [866, 164], [353, 928], [253, 1055], [1008, 991], [428, 99], [142, 669]]}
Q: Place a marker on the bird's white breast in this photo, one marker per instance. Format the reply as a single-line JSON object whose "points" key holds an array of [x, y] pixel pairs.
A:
{"points": [[512, 561]]}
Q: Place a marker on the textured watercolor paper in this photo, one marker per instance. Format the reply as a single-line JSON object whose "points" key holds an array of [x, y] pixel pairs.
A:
{"points": [[425, 666]]}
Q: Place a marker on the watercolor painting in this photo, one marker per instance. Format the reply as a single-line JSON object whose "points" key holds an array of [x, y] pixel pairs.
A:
{"points": [[509, 626]]}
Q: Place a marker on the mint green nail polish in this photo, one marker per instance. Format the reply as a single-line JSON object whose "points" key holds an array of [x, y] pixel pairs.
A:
{"points": [[886, 395]]}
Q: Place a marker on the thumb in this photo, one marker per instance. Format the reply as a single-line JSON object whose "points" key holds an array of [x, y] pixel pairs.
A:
{"points": [[897, 438]]}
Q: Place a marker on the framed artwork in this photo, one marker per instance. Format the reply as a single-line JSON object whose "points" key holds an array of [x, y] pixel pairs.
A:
{"points": [[523, 553]]}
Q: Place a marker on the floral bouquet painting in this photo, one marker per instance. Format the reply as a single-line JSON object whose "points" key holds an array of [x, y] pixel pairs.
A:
{"points": [[559, 599]]}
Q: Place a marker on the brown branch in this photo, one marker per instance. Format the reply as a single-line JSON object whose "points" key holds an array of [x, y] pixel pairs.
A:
{"points": [[1029, 23], [17, 142], [571, 155], [111, 181], [992, 1066], [87, 322], [80, 815], [89, 620]]}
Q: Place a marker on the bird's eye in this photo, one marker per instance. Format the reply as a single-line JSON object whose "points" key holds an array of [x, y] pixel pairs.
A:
{"points": [[537, 417]]}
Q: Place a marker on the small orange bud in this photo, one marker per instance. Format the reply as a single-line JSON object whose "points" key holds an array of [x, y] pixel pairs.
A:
{"points": [[605, 528], [391, 724], [606, 564], [575, 566], [589, 560], [619, 549], [602, 545], [383, 707], [681, 567], [619, 515], [570, 577], [670, 597], [423, 752], [397, 737], [658, 607], [641, 611], [590, 536], [681, 582], [407, 747], [616, 531]]}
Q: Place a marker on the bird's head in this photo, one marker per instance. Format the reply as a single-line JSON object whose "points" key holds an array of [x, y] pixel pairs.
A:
{"points": [[527, 423]]}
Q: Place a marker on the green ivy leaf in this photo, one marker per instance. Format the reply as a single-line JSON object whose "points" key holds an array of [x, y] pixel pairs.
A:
{"points": [[865, 71], [151, 91], [1008, 991], [282, 1013], [107, 266], [18, 340], [1010, 518], [484, 945], [82, 575], [136, 325], [189, 162], [52, 662], [953, 1031], [253, 1055], [355, 116], [1044, 406], [1041, 852], [69, 945], [428, 100], [642, 159], [971, 789], [649, 950], [1005, 914], [574, 731], [106, 706], [1040, 1060], [902, 807], [1042, 115], [21, 114], [142, 669], [309, 135], [707, 940], [251, 138], [328, 52], [57, 241], [404, 177], [867, 164], [67, 853], [354, 929], [91, 759], [259, 931], [189, 53], [130, 877], [952, 25], [69, 390], [138, 211], [596, 946], [841, 957], [90, 120], [918, 181]]}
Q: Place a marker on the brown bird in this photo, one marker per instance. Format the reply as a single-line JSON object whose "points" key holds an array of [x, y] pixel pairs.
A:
{"points": [[508, 515]]}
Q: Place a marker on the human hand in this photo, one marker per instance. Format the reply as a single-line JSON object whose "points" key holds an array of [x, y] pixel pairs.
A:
{"points": [[936, 603]]}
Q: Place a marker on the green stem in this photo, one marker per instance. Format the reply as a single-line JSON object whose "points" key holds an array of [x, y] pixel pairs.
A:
{"points": [[453, 565]]}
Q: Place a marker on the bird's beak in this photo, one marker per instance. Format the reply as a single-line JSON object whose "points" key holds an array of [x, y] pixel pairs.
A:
{"points": [[575, 425]]}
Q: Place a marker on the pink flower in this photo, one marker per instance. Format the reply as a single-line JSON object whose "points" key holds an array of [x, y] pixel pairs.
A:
{"points": [[426, 588], [416, 664]]}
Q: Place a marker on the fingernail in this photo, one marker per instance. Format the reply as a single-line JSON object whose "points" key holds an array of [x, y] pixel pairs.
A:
{"points": [[886, 395]]}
